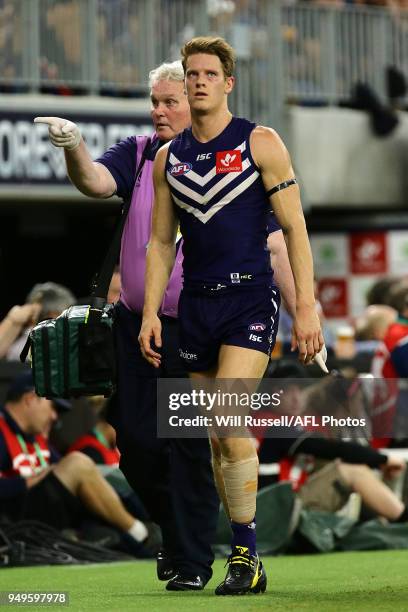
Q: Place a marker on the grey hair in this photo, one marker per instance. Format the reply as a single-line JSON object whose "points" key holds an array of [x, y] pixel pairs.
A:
{"points": [[51, 296], [168, 71]]}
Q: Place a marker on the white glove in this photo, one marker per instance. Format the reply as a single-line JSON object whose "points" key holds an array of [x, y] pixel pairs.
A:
{"points": [[62, 133], [321, 359]]}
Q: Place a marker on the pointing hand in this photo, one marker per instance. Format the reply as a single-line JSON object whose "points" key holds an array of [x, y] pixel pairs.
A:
{"points": [[62, 133]]}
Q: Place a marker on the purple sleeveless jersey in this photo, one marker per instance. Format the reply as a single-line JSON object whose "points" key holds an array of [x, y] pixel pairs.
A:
{"points": [[225, 214], [122, 161]]}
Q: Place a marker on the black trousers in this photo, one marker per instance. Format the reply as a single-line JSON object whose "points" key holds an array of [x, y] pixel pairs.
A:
{"points": [[173, 477]]}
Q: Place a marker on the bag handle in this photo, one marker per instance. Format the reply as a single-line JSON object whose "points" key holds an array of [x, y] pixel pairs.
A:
{"points": [[101, 282]]}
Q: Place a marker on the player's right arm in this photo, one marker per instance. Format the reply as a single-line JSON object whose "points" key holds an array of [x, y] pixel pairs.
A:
{"points": [[282, 271], [161, 253], [91, 178]]}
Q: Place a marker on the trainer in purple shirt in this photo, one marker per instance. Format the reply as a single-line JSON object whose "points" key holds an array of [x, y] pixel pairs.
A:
{"points": [[122, 161], [173, 478]]}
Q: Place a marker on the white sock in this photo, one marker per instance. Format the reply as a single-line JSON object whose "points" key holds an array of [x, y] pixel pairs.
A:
{"points": [[138, 531]]}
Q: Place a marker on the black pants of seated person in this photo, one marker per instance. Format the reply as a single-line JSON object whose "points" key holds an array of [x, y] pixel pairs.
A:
{"points": [[50, 502]]}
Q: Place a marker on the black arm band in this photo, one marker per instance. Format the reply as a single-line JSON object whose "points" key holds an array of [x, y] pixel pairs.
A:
{"points": [[281, 186]]}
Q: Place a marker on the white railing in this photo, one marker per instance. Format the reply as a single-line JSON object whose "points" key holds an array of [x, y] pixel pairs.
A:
{"points": [[327, 50], [294, 52]]}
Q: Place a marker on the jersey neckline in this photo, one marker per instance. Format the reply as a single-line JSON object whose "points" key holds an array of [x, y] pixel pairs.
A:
{"points": [[213, 140]]}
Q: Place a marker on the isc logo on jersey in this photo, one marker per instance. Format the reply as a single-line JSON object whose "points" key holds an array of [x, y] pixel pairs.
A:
{"points": [[203, 156], [180, 169], [228, 161]]}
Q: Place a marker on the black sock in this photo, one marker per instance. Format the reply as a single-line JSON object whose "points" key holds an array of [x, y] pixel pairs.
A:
{"points": [[403, 517]]}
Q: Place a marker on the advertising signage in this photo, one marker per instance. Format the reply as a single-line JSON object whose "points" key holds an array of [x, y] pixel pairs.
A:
{"points": [[30, 166]]}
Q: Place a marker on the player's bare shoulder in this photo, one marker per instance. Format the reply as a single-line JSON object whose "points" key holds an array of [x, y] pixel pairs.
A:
{"points": [[161, 155], [160, 163], [268, 148]]}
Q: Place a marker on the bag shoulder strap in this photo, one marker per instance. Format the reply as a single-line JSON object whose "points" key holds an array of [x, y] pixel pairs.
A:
{"points": [[141, 142]]}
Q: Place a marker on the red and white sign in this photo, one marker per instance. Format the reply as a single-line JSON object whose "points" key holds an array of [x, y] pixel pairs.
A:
{"points": [[228, 161], [348, 264], [368, 253], [333, 297]]}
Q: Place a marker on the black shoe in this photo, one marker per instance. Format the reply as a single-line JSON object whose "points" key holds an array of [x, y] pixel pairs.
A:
{"points": [[245, 574], [180, 582], [154, 541], [165, 569]]}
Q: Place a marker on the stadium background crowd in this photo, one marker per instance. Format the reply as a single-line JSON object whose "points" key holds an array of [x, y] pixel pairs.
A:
{"points": [[355, 334]]}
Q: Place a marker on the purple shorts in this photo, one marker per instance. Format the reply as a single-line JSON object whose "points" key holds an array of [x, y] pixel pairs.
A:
{"points": [[247, 318]]}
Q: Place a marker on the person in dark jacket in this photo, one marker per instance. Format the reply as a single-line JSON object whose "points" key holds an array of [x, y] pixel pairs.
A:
{"points": [[36, 484]]}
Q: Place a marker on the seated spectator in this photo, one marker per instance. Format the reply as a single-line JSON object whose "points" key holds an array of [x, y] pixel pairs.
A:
{"points": [[290, 375], [100, 442], [36, 485], [371, 327], [397, 297], [45, 301], [342, 397], [348, 466], [380, 290], [16, 325], [391, 363]]}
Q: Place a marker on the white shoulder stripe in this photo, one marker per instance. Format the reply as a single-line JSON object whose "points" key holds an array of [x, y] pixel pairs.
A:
{"points": [[206, 216], [197, 178], [203, 200]]}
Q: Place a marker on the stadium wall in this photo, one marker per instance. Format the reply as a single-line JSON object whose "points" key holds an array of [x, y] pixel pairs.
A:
{"points": [[342, 162], [30, 167]]}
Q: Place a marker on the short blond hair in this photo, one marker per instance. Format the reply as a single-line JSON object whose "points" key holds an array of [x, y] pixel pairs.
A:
{"points": [[212, 45]]}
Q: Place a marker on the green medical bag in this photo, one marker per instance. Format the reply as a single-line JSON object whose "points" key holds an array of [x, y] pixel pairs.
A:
{"points": [[73, 355]]}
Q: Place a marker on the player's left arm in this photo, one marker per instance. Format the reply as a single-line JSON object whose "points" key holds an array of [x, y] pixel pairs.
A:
{"points": [[160, 257], [273, 160]]}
